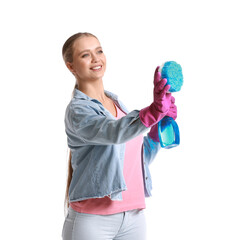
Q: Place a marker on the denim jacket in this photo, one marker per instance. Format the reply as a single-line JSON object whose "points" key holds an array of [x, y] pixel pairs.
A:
{"points": [[97, 143]]}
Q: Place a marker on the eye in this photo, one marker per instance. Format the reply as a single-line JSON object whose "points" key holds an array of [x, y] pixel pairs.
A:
{"points": [[85, 55], [100, 51]]}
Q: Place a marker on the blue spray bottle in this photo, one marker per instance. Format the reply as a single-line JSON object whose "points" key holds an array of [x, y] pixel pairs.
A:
{"points": [[168, 130]]}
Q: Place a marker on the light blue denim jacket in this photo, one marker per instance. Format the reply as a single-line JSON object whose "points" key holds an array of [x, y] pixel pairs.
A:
{"points": [[97, 143]]}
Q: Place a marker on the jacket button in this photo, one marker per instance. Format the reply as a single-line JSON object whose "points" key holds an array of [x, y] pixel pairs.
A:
{"points": [[146, 178]]}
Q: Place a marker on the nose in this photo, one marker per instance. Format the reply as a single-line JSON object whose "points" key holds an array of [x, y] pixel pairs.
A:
{"points": [[94, 57]]}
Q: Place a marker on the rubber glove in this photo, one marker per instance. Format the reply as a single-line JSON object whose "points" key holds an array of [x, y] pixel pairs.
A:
{"points": [[153, 134], [161, 103], [173, 109]]}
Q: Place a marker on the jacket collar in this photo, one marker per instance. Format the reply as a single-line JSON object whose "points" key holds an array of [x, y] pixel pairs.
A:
{"points": [[81, 95]]}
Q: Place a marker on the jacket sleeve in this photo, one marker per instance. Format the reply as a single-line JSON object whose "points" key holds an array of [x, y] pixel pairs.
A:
{"points": [[87, 124], [150, 150]]}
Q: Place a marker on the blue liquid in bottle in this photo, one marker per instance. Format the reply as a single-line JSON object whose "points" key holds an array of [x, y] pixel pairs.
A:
{"points": [[168, 132]]}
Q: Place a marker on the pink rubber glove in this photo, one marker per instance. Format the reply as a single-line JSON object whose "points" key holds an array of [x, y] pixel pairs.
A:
{"points": [[153, 134], [173, 109], [161, 104]]}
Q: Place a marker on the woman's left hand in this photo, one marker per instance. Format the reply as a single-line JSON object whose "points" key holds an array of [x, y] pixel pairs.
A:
{"points": [[153, 134], [173, 109]]}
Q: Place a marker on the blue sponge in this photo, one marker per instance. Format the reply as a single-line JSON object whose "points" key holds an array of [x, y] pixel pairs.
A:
{"points": [[173, 72]]}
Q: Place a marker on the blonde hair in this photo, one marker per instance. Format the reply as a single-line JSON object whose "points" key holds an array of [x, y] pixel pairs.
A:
{"points": [[67, 52]]}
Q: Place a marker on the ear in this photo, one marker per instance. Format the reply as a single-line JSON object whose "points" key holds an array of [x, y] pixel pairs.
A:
{"points": [[70, 67]]}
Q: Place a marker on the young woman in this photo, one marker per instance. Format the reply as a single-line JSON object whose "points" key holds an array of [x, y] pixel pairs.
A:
{"points": [[109, 157]]}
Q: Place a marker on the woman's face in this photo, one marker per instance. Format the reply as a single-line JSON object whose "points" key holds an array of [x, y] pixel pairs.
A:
{"points": [[89, 61]]}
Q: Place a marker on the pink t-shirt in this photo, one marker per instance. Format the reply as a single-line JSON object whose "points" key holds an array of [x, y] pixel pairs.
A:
{"points": [[133, 197]]}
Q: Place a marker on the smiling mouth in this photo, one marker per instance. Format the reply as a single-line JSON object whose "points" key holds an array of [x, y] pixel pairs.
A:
{"points": [[96, 68]]}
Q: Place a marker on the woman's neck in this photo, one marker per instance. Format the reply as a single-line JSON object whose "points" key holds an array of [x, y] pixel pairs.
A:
{"points": [[93, 90]]}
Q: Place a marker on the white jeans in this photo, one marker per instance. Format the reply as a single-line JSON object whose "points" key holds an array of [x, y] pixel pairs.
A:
{"points": [[129, 225]]}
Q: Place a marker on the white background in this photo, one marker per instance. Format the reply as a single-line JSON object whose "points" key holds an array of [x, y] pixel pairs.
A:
{"points": [[198, 187]]}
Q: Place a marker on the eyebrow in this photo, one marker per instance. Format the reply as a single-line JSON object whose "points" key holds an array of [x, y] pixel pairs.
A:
{"points": [[87, 50]]}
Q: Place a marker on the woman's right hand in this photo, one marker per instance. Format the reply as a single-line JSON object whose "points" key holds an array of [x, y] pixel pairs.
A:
{"points": [[161, 103], [162, 99]]}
